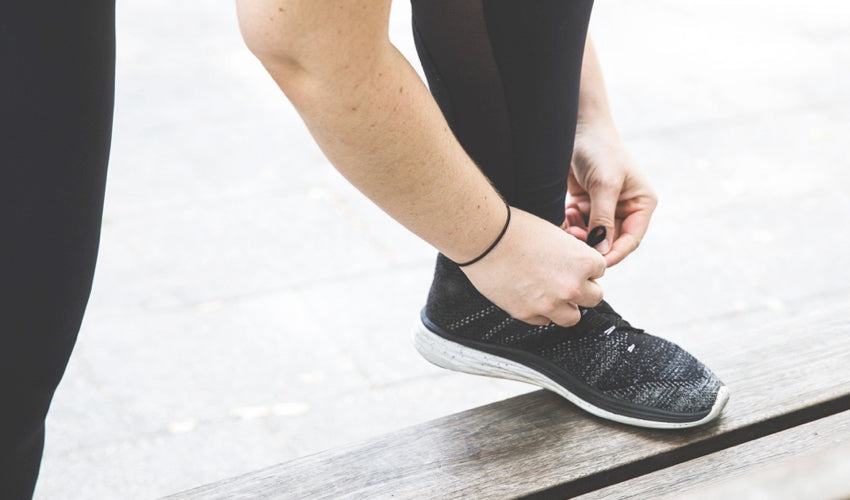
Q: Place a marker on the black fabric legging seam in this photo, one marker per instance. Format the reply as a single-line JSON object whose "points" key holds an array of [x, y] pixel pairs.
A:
{"points": [[506, 102], [506, 74]]}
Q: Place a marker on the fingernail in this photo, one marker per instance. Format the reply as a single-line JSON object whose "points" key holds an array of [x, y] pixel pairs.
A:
{"points": [[603, 247], [596, 236]]}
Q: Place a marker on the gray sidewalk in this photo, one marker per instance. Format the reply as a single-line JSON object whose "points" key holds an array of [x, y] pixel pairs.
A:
{"points": [[250, 307]]}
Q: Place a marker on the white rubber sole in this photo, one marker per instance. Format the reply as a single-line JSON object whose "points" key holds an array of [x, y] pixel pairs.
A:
{"points": [[453, 356]]}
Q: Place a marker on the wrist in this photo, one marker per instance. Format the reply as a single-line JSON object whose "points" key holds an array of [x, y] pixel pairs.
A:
{"points": [[594, 122], [495, 242], [481, 234], [597, 136]]}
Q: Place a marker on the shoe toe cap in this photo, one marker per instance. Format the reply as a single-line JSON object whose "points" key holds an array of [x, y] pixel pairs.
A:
{"points": [[693, 395]]}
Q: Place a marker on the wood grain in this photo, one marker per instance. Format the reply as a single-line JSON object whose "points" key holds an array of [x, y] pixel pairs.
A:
{"points": [[807, 461], [780, 375], [823, 475]]}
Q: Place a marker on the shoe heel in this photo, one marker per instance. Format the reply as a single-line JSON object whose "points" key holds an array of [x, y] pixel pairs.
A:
{"points": [[453, 356], [444, 353]]}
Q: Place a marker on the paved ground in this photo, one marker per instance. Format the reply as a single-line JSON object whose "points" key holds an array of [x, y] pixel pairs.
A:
{"points": [[249, 307]]}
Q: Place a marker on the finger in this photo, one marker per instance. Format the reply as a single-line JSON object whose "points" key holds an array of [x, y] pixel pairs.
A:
{"points": [[573, 187], [598, 268], [622, 247], [590, 294], [582, 204], [536, 320], [579, 233], [603, 206], [632, 230], [571, 217], [567, 315], [574, 218], [574, 224]]}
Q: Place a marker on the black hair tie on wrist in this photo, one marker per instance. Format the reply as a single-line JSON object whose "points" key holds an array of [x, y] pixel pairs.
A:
{"points": [[492, 245]]}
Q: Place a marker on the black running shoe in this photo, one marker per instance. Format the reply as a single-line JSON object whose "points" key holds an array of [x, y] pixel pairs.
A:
{"points": [[603, 364]]}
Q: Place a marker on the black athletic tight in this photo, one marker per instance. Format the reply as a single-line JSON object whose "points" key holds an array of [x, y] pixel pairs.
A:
{"points": [[506, 76], [56, 93], [505, 73]]}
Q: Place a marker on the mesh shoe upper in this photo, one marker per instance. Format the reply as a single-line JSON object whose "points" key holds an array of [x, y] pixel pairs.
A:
{"points": [[602, 351]]}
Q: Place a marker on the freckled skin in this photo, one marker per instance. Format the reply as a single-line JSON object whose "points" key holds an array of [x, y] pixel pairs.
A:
{"points": [[378, 124]]}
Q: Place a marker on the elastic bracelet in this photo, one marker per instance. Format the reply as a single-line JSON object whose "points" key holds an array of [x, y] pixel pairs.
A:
{"points": [[496, 242]]}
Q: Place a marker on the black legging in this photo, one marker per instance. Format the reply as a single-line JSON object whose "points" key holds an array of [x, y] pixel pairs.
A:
{"points": [[506, 76], [56, 94]]}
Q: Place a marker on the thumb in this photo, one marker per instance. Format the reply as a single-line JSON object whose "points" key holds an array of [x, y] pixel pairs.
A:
{"points": [[603, 205]]}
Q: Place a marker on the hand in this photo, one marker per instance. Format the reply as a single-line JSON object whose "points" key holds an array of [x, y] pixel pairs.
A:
{"points": [[606, 188], [538, 273]]}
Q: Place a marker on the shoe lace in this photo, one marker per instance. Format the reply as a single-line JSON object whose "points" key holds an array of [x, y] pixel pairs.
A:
{"points": [[636, 336]]}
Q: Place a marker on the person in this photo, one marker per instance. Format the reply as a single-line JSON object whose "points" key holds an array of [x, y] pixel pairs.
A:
{"points": [[480, 168], [56, 100], [505, 73]]}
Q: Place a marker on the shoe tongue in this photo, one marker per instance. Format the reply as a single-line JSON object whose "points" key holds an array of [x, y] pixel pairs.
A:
{"points": [[607, 312], [593, 321]]}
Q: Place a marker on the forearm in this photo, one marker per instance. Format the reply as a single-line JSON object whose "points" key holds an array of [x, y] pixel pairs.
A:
{"points": [[606, 187], [377, 123], [593, 97]]}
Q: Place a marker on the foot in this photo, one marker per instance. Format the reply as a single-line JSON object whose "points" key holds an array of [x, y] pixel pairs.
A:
{"points": [[603, 364]]}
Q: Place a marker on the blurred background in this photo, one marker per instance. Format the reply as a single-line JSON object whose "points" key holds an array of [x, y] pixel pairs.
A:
{"points": [[250, 307]]}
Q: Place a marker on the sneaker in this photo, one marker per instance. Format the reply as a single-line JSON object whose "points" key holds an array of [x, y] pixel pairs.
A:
{"points": [[603, 365]]}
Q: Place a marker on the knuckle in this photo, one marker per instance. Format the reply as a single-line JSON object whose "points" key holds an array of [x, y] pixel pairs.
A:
{"points": [[602, 220], [548, 306], [571, 291], [593, 263], [653, 200], [607, 183], [598, 295], [600, 270]]}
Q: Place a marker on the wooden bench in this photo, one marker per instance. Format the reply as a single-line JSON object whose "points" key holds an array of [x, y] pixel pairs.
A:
{"points": [[785, 430]]}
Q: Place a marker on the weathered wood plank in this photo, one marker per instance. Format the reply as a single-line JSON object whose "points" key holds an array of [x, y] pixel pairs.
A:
{"points": [[780, 375], [807, 461], [818, 475]]}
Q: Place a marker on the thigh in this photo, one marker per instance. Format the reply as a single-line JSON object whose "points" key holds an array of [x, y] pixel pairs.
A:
{"points": [[56, 97]]}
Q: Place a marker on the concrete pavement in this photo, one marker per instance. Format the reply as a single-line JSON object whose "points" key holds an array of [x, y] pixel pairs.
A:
{"points": [[251, 307]]}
